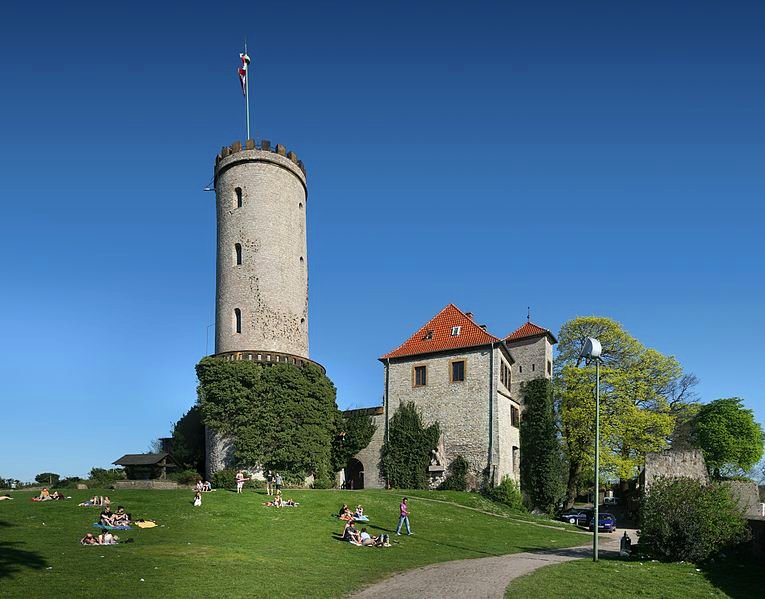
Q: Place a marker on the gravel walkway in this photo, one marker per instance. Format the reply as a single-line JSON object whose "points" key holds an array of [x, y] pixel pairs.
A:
{"points": [[480, 578]]}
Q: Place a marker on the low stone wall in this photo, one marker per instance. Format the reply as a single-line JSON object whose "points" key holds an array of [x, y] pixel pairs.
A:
{"points": [[165, 485]]}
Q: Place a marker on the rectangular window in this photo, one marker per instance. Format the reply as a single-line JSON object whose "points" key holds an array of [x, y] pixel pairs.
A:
{"points": [[533, 367], [515, 416], [420, 376], [456, 331], [549, 367], [457, 373], [505, 376]]}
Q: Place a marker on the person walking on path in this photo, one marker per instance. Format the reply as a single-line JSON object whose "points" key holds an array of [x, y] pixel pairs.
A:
{"points": [[403, 517]]}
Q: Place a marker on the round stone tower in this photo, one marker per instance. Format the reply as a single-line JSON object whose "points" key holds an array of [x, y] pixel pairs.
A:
{"points": [[262, 267], [261, 301]]}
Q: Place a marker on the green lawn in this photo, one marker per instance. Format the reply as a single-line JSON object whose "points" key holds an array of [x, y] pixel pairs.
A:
{"points": [[233, 546], [607, 579]]}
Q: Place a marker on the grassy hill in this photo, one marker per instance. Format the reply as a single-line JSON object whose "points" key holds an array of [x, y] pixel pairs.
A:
{"points": [[234, 546]]}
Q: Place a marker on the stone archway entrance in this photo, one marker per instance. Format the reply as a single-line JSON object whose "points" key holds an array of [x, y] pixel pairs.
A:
{"points": [[354, 474]]}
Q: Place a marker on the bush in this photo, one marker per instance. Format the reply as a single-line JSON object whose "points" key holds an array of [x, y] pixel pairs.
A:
{"points": [[101, 477], [69, 482], [185, 477], [506, 492], [324, 482], [456, 479], [224, 479], [684, 520]]}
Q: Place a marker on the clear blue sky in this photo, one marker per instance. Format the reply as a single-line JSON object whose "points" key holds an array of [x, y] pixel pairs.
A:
{"points": [[578, 157]]}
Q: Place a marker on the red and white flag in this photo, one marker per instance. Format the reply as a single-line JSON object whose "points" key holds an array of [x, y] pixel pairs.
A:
{"points": [[243, 71]]}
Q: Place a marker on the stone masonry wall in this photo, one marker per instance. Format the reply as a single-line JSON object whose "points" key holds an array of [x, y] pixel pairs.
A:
{"points": [[370, 455], [532, 356], [461, 408], [270, 287], [674, 463]]}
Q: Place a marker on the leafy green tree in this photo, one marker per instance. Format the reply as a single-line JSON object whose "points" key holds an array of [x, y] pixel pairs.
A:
{"points": [[541, 461], [281, 417], [729, 436], [641, 392], [406, 451], [682, 519], [188, 444], [47, 478], [354, 433]]}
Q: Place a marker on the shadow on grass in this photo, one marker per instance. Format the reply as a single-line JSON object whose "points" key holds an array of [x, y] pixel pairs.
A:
{"points": [[737, 576], [13, 558], [392, 532]]}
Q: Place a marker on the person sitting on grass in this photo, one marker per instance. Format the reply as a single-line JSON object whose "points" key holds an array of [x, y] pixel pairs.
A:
{"points": [[366, 539], [120, 517], [290, 503], [198, 499], [351, 535], [107, 517], [44, 495], [105, 501], [359, 513], [345, 514], [206, 486], [89, 539]]}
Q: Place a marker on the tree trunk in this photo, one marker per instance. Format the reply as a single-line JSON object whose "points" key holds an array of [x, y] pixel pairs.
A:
{"points": [[574, 472]]}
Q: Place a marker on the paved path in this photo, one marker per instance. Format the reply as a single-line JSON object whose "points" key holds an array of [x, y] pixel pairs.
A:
{"points": [[480, 578]]}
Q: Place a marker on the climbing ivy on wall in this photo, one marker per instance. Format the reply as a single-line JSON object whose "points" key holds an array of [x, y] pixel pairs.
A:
{"points": [[281, 416], [406, 451]]}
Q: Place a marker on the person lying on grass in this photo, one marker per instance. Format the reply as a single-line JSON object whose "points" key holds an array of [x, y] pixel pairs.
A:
{"points": [[368, 540], [4, 497], [107, 538], [89, 539], [92, 502]]}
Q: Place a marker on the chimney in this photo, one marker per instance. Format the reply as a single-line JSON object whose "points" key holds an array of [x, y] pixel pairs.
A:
{"points": [[483, 326], [469, 315]]}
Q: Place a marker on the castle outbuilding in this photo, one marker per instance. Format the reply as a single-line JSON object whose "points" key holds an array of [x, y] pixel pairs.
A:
{"points": [[459, 374]]}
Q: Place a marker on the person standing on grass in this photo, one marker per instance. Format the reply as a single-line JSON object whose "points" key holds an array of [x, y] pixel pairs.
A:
{"points": [[269, 483], [403, 517], [239, 481], [279, 481]]}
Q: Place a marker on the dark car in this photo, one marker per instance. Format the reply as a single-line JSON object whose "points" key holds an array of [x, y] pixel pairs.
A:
{"points": [[576, 516], [606, 522]]}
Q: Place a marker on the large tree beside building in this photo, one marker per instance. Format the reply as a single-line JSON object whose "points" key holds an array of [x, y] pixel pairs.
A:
{"points": [[641, 390], [541, 464], [729, 436], [281, 416]]}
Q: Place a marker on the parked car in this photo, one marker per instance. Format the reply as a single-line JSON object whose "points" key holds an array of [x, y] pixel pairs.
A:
{"points": [[576, 516], [606, 522], [611, 501]]}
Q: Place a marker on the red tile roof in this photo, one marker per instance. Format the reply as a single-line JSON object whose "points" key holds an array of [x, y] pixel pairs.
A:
{"points": [[529, 329], [437, 336]]}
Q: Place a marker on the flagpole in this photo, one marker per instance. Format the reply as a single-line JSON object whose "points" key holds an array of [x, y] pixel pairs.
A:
{"points": [[247, 92]]}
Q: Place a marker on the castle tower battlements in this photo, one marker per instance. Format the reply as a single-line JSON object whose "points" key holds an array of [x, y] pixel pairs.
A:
{"points": [[262, 259]]}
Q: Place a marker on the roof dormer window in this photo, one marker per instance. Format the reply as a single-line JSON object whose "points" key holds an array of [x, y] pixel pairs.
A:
{"points": [[429, 336], [456, 331]]}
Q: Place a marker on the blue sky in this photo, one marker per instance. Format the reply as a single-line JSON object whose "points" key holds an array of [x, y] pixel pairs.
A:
{"points": [[581, 158]]}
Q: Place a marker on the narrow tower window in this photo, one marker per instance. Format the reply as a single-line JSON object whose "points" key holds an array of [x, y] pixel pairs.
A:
{"points": [[237, 320], [238, 191], [238, 250]]}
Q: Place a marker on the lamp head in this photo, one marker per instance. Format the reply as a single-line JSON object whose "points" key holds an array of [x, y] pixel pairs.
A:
{"points": [[591, 350]]}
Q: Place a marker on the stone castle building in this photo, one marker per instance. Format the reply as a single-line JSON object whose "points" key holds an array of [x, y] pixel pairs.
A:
{"points": [[261, 300], [459, 374]]}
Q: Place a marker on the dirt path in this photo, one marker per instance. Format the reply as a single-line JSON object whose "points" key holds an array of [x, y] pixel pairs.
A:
{"points": [[486, 577]]}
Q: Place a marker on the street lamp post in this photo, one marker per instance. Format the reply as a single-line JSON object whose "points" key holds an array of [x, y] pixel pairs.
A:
{"points": [[591, 350]]}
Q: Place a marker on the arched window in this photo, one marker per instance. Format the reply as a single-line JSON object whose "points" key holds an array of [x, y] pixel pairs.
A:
{"points": [[238, 250], [238, 191], [237, 320]]}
